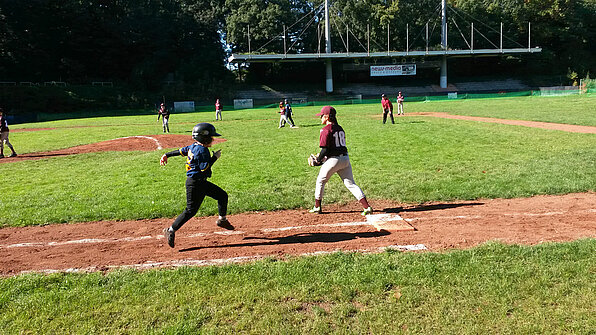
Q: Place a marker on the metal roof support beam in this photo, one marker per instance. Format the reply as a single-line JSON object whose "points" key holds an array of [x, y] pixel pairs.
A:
{"points": [[443, 79], [328, 64]]}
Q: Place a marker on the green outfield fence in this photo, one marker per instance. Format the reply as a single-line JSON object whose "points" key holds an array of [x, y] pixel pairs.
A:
{"points": [[445, 97], [587, 87]]}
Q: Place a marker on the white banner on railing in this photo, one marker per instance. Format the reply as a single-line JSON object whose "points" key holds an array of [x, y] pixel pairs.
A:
{"points": [[243, 103], [184, 106], [393, 70]]}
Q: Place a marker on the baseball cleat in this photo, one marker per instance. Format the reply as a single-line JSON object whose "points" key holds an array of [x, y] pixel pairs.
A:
{"points": [[225, 224], [170, 235], [1, 156], [316, 210], [367, 211], [14, 154]]}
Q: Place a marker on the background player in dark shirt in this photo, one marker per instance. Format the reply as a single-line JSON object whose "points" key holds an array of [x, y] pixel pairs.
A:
{"points": [[165, 114], [334, 159], [4, 132], [198, 169]]}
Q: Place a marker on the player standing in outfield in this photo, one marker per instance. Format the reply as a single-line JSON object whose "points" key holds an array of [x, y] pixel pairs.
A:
{"points": [[400, 104], [387, 108], [165, 114], [198, 169], [217, 110], [334, 159], [283, 118], [4, 135], [289, 113]]}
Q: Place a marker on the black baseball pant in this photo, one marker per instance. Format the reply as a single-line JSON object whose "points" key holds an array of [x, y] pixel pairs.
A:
{"points": [[196, 190], [390, 112]]}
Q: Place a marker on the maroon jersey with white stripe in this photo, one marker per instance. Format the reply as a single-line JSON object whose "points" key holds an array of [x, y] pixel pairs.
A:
{"points": [[333, 138]]}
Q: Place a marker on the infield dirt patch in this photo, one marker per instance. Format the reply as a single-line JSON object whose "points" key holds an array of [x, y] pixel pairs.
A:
{"points": [[130, 143], [100, 246]]}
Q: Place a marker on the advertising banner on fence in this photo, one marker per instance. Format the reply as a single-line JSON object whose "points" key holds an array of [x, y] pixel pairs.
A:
{"points": [[243, 103], [393, 70], [184, 106]]}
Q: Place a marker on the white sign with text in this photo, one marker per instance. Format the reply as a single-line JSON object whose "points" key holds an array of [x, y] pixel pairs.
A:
{"points": [[393, 70]]}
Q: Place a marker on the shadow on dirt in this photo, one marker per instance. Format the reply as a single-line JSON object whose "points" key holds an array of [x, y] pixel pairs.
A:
{"points": [[298, 238], [424, 208]]}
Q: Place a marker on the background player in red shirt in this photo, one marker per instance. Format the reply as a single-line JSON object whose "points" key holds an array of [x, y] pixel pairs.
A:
{"points": [[283, 118], [217, 110], [387, 108], [334, 159]]}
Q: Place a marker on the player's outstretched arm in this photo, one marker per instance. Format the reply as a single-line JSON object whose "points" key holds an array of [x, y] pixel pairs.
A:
{"points": [[164, 159]]}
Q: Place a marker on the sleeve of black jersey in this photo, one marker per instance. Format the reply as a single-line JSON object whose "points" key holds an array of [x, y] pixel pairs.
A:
{"points": [[173, 153], [323, 153]]}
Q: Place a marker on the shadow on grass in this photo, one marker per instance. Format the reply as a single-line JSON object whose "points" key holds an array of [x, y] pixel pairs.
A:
{"points": [[297, 238], [424, 208]]}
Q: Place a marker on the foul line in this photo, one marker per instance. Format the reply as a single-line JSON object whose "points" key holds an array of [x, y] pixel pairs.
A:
{"points": [[219, 261]]}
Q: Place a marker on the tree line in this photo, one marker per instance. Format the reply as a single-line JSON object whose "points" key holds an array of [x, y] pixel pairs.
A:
{"points": [[148, 43]]}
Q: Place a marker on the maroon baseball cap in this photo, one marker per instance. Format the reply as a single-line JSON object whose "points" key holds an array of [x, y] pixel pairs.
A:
{"points": [[327, 110]]}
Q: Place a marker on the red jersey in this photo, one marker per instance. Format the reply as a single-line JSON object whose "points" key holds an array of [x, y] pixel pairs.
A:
{"points": [[333, 138], [217, 106], [387, 104]]}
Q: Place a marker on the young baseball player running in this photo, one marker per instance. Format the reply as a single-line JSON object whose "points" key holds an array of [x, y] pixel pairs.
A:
{"points": [[387, 108], [4, 135], [334, 159], [198, 169], [165, 114]]}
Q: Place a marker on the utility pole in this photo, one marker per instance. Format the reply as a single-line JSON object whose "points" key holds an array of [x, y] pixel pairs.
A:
{"points": [[443, 80], [328, 65]]}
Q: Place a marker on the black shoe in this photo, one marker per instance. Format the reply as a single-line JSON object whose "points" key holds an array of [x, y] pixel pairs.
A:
{"points": [[1, 156], [170, 235], [14, 154], [225, 224]]}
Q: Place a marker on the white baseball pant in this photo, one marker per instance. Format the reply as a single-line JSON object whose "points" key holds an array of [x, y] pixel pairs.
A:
{"points": [[340, 165]]}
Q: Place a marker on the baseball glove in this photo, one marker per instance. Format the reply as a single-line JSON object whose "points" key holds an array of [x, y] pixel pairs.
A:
{"points": [[313, 160]]}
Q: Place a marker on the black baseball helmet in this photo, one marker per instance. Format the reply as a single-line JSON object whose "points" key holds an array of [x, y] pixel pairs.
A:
{"points": [[202, 131]]}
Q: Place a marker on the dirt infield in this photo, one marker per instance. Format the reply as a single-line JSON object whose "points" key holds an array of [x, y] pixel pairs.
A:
{"points": [[105, 245], [130, 143]]}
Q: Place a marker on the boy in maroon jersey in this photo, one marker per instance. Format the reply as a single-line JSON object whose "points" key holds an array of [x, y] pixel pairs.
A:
{"points": [[387, 108], [217, 110], [334, 159], [165, 114]]}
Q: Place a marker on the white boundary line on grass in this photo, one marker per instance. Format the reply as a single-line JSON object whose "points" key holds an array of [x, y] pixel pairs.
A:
{"points": [[219, 261]]}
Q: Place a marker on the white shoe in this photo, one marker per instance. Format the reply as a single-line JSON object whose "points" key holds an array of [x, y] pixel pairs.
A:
{"points": [[316, 210], [367, 211]]}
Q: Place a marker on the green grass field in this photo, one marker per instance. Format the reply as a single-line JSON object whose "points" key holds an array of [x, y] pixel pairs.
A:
{"points": [[495, 288], [419, 159]]}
